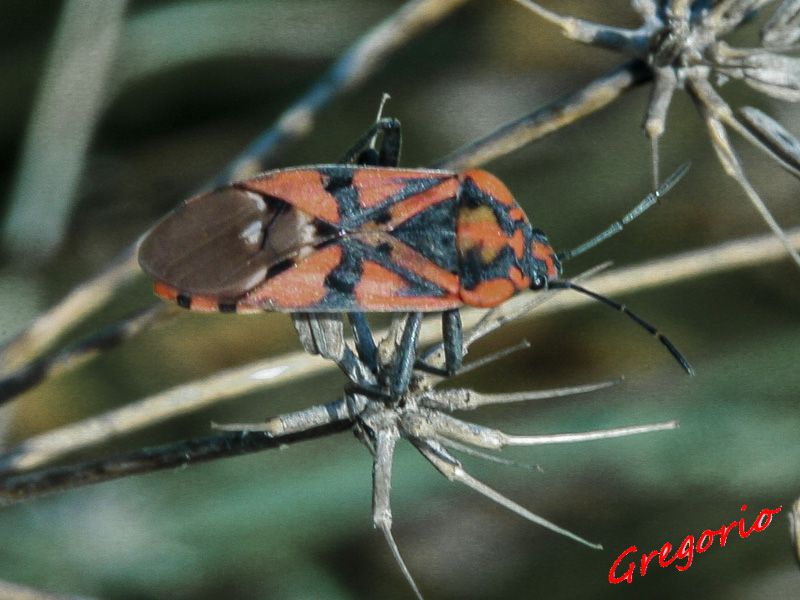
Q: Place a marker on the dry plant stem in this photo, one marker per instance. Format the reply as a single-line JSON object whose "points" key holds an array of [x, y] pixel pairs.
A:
{"points": [[586, 436], [647, 9], [466, 399], [496, 317], [794, 528], [81, 302], [682, 44], [378, 427], [451, 468], [768, 135], [33, 373], [307, 418], [596, 95], [712, 107], [781, 31], [587, 32], [355, 65], [747, 252], [655, 122], [469, 450], [351, 69], [439, 424], [385, 442], [448, 400], [157, 408], [499, 316], [17, 488], [490, 358]]}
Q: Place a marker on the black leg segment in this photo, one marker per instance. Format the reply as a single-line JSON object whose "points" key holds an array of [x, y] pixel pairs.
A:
{"points": [[406, 353], [365, 341], [453, 338], [452, 343], [388, 154]]}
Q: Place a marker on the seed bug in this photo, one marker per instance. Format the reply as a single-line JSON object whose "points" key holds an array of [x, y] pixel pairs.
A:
{"points": [[364, 235]]}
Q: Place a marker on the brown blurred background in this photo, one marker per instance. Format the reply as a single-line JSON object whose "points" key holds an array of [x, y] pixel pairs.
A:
{"points": [[191, 84]]}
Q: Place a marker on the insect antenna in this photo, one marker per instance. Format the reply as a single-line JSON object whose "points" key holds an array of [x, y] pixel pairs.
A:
{"points": [[567, 285], [640, 208]]}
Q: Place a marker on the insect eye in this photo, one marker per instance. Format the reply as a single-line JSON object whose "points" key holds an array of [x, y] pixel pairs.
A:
{"points": [[538, 282]]}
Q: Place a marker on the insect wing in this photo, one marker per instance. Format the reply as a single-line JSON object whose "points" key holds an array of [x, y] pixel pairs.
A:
{"points": [[209, 245], [323, 238], [222, 244]]}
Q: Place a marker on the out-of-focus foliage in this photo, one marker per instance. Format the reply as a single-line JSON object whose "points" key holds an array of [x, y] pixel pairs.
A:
{"points": [[297, 523]]}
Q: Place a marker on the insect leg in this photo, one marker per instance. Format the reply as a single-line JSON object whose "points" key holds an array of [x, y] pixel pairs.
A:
{"points": [[453, 337], [391, 140], [453, 343], [406, 353], [363, 153], [324, 335], [365, 341]]}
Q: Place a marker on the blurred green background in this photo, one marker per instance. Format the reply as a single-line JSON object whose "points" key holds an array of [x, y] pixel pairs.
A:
{"points": [[189, 85]]}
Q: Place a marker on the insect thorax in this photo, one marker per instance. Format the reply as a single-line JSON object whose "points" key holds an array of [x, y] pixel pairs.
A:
{"points": [[499, 251]]}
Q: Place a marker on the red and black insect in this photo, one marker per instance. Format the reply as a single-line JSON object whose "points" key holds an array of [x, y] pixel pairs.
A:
{"points": [[361, 236]]}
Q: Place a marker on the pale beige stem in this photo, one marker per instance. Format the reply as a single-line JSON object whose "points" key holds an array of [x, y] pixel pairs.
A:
{"points": [[262, 375]]}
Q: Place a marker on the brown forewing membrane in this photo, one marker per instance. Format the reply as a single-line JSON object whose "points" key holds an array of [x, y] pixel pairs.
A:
{"points": [[222, 243]]}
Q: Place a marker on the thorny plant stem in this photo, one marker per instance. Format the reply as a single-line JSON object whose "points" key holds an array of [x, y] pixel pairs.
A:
{"points": [[580, 30], [17, 488], [713, 109], [747, 252], [452, 469], [586, 436], [36, 371], [785, 156], [355, 65], [596, 95], [682, 44], [467, 399]]}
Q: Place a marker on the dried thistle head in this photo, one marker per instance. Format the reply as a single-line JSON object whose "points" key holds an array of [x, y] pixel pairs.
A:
{"points": [[682, 43], [421, 414]]}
